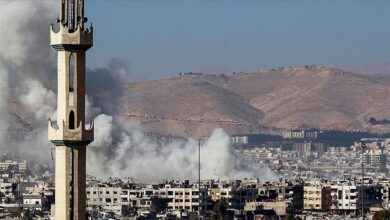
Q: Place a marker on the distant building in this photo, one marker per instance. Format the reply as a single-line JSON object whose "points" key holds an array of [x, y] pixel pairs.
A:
{"points": [[15, 166], [375, 158], [318, 148], [279, 207], [169, 197], [239, 140], [300, 134], [302, 147], [345, 197], [337, 149], [308, 147], [184, 198], [38, 197], [7, 192], [316, 196], [107, 197]]}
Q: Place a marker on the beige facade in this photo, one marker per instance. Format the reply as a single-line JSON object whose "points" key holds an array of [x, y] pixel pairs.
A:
{"points": [[312, 197], [183, 198], [317, 196], [280, 207], [69, 133]]}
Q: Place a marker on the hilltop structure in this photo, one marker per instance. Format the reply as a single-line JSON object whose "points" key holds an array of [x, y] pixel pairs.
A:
{"points": [[69, 134]]}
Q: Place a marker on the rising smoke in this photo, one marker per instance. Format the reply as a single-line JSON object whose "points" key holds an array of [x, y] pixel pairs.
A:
{"points": [[28, 77], [3, 102], [133, 153]]}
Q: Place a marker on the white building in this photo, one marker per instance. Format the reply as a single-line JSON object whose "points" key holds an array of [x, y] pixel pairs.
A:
{"points": [[375, 158], [344, 196], [184, 198], [107, 197]]}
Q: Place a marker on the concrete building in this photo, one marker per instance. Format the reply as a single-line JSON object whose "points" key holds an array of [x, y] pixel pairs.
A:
{"points": [[39, 197], [316, 196], [300, 134], [375, 158], [107, 197], [103, 195], [385, 191], [69, 134], [279, 207], [7, 191], [345, 197], [35, 202], [235, 196], [14, 166], [303, 148], [239, 139], [372, 196], [184, 198]]}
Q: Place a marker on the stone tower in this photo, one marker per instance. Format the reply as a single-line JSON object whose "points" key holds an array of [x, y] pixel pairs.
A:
{"points": [[69, 134]]}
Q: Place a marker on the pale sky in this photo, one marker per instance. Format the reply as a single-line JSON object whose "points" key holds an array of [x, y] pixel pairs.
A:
{"points": [[161, 38]]}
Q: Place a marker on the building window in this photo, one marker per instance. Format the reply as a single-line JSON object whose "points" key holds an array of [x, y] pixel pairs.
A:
{"points": [[71, 120], [71, 73], [71, 80]]}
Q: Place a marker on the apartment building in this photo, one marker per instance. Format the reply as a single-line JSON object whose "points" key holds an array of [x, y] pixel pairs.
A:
{"points": [[316, 196], [375, 158], [38, 197], [14, 166], [300, 134], [6, 191], [106, 196], [184, 198], [345, 197]]}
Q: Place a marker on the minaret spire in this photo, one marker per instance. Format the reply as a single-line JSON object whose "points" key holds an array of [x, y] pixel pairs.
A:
{"points": [[72, 14], [70, 134]]}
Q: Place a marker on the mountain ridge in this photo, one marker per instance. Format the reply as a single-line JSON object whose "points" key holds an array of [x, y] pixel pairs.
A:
{"points": [[193, 104]]}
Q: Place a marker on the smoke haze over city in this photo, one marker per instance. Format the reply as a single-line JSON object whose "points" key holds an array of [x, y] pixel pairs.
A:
{"points": [[28, 77]]}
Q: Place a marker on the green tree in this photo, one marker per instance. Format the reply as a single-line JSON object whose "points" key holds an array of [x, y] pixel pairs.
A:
{"points": [[219, 210], [382, 215]]}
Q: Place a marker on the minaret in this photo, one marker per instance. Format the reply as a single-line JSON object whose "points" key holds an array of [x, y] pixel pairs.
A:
{"points": [[69, 133]]}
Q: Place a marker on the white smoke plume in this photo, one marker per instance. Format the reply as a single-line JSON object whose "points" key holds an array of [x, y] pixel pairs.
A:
{"points": [[25, 67], [134, 154], [28, 76], [39, 100], [3, 103]]}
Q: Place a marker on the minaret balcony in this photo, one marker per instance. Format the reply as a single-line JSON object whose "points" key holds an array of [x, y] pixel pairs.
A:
{"points": [[61, 135], [66, 39]]}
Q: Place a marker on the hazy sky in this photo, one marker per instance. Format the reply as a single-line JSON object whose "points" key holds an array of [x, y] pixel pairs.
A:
{"points": [[160, 38]]}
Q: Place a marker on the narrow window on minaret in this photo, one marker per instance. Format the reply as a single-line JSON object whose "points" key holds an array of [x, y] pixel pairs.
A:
{"points": [[71, 120], [71, 80]]}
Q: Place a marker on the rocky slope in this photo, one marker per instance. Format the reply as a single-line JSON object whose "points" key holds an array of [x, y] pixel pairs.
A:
{"points": [[194, 104]]}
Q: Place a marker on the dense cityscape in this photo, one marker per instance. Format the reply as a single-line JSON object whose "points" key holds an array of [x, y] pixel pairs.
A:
{"points": [[296, 142], [311, 181]]}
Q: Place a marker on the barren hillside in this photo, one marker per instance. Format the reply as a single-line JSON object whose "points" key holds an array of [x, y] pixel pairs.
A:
{"points": [[195, 104]]}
